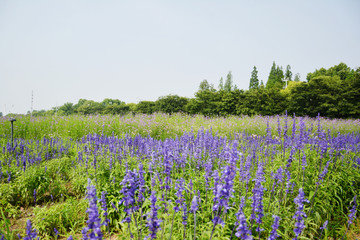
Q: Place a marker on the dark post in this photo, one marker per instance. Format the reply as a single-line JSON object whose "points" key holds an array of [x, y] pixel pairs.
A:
{"points": [[12, 120]]}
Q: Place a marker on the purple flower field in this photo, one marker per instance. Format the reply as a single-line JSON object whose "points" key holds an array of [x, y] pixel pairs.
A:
{"points": [[191, 178]]}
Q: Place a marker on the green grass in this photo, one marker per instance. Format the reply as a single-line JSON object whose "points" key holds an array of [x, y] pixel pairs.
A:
{"points": [[60, 190], [159, 126]]}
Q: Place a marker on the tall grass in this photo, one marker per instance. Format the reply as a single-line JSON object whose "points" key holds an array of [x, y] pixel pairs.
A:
{"points": [[159, 126]]}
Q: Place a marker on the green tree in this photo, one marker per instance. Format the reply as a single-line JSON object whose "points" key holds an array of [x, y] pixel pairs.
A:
{"points": [[114, 106], [111, 102], [262, 101], [90, 107], [262, 84], [341, 70], [205, 101], [288, 73], [120, 109], [221, 84], [39, 113], [254, 80], [204, 85], [1, 114], [67, 108], [227, 102], [297, 77], [171, 104], [229, 86], [78, 105], [146, 107], [276, 77], [132, 107]]}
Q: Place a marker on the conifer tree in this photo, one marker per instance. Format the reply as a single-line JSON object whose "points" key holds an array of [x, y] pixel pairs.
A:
{"points": [[254, 80], [276, 77], [288, 73], [228, 83], [221, 84]]}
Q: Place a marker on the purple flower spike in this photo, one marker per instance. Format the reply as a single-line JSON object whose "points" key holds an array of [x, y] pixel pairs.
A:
{"points": [[113, 206], [104, 208], [56, 232], [153, 223], [273, 234], [352, 214], [30, 233], [299, 214], [324, 226], [9, 176], [194, 204], [92, 231], [242, 230], [34, 196]]}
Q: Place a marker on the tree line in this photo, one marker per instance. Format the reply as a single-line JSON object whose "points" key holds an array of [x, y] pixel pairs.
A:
{"points": [[333, 92]]}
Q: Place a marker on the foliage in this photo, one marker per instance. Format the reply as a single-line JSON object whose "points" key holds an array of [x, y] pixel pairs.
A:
{"points": [[171, 104], [146, 107], [186, 180], [254, 80], [333, 93], [276, 77]]}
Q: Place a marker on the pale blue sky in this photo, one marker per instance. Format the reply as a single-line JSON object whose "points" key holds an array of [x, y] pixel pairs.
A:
{"points": [[141, 50]]}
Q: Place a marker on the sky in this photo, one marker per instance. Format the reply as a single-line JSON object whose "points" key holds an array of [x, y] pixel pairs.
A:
{"points": [[61, 51]]}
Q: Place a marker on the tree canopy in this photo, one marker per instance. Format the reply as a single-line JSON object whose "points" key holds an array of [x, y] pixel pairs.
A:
{"points": [[332, 92]]}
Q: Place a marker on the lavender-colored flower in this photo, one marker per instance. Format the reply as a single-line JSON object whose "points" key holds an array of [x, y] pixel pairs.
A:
{"points": [[30, 232], [93, 230], [113, 206], [303, 162], [242, 230], [299, 214], [56, 232], [70, 238], [104, 208], [223, 190], [273, 234], [257, 198], [324, 226], [34, 196], [352, 214], [141, 184], [324, 172], [9, 176], [153, 223], [129, 187], [194, 204], [84, 233], [180, 203]]}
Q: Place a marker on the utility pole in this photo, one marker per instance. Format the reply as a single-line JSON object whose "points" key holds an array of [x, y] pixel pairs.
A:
{"points": [[286, 82]]}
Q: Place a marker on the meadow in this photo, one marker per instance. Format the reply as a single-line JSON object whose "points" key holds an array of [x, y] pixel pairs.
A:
{"points": [[178, 176]]}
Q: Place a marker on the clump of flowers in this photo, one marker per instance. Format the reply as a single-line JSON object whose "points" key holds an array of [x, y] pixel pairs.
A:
{"points": [[273, 234], [300, 214], [30, 232], [242, 230], [93, 230], [153, 222]]}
